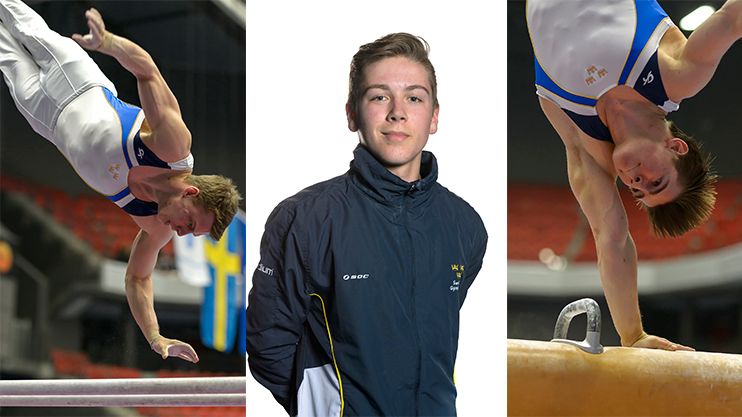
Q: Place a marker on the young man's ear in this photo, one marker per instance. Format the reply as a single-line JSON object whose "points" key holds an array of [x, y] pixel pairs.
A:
{"points": [[434, 120], [351, 115], [191, 191], [678, 145]]}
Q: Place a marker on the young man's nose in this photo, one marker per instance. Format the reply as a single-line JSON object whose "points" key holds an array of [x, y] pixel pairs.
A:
{"points": [[397, 112]]}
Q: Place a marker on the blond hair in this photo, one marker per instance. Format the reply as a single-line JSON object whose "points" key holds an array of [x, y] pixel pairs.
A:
{"points": [[218, 195]]}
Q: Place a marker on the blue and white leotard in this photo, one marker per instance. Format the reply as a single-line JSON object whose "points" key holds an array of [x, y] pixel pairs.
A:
{"points": [[99, 136], [583, 48]]}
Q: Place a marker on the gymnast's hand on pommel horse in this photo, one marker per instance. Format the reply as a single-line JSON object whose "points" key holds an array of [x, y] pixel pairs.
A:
{"points": [[610, 113]]}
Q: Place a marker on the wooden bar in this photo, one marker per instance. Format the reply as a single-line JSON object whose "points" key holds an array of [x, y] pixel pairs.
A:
{"points": [[556, 379]]}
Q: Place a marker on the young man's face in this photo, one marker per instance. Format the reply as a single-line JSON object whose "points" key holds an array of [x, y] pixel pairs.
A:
{"points": [[184, 216], [396, 114], [648, 169]]}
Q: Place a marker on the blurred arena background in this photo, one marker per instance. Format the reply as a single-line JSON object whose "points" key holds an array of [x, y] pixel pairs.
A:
{"points": [[63, 312], [690, 289]]}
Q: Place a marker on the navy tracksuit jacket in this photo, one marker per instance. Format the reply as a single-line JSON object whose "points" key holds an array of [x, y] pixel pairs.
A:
{"points": [[354, 309]]}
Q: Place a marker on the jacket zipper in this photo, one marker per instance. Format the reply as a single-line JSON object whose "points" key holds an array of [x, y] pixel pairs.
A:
{"points": [[413, 275]]}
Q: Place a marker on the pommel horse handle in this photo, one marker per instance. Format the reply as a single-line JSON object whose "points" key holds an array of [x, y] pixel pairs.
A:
{"points": [[591, 344]]}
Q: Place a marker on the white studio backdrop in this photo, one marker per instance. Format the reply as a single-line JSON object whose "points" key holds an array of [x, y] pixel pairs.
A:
{"points": [[298, 58]]}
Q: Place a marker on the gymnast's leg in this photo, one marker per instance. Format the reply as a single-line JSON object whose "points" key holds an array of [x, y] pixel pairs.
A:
{"points": [[21, 74], [63, 70]]}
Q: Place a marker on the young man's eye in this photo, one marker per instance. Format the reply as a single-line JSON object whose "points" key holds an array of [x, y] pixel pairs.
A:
{"points": [[416, 99], [378, 98]]}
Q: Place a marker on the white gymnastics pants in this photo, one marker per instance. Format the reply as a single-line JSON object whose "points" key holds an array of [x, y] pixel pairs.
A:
{"points": [[44, 70]]}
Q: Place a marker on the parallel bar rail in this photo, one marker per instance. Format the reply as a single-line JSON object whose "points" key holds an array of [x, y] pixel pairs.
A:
{"points": [[124, 386], [125, 392], [171, 400]]}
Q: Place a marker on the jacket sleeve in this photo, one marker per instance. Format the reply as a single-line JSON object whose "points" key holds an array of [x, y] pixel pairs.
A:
{"points": [[276, 309], [477, 247]]}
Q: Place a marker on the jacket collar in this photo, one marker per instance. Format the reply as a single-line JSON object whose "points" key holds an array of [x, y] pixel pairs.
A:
{"points": [[384, 187]]}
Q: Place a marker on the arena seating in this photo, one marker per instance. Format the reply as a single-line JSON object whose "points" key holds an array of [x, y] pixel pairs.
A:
{"points": [[92, 218], [545, 216], [69, 363]]}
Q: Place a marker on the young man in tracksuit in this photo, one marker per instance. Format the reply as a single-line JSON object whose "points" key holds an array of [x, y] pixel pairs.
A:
{"points": [[354, 309]]}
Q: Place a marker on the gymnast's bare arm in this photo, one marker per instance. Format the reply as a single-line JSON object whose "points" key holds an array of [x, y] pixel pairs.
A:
{"points": [[171, 139], [594, 187], [687, 65], [151, 238]]}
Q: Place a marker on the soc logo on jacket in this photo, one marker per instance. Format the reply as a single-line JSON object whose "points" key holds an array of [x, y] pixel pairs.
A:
{"points": [[348, 277]]}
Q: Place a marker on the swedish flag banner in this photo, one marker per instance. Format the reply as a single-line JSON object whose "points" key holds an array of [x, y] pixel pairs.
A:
{"points": [[224, 298]]}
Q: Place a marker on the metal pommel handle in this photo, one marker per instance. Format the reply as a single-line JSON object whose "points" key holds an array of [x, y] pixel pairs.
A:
{"points": [[591, 344]]}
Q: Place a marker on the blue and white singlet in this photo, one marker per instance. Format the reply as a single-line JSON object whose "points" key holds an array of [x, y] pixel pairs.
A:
{"points": [[583, 48], [99, 136]]}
